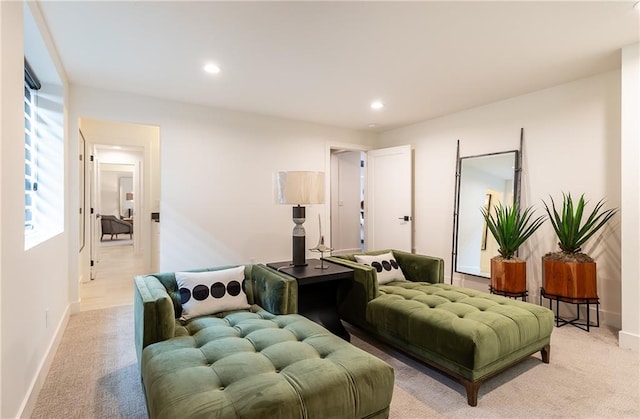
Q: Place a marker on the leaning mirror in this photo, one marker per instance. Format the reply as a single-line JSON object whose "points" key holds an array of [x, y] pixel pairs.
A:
{"points": [[484, 181]]}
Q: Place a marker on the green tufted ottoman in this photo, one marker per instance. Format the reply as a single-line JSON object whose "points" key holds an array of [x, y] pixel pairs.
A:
{"points": [[261, 365], [260, 362], [469, 334]]}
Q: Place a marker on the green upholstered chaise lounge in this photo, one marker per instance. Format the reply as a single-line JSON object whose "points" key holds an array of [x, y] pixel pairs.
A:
{"points": [[470, 335], [261, 362]]}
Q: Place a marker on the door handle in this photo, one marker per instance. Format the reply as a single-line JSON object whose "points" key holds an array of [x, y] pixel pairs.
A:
{"points": [[405, 218]]}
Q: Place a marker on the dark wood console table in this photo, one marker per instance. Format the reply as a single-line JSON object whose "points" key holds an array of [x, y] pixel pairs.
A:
{"points": [[584, 325], [317, 291]]}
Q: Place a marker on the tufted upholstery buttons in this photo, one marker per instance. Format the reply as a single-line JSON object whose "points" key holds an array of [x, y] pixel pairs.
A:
{"points": [[465, 327], [262, 365]]}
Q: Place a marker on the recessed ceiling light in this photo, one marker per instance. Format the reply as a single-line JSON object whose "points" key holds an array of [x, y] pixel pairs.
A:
{"points": [[212, 68], [372, 125], [376, 104]]}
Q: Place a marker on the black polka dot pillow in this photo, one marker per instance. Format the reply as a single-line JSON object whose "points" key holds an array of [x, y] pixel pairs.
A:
{"points": [[203, 293], [387, 268]]}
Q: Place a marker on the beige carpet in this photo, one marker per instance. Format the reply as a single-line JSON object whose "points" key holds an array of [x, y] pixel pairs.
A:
{"points": [[94, 375], [588, 377]]}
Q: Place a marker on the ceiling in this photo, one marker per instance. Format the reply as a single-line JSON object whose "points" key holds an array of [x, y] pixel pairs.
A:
{"points": [[325, 62]]}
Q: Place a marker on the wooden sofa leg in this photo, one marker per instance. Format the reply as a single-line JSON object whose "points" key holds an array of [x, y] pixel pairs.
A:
{"points": [[545, 352], [472, 391]]}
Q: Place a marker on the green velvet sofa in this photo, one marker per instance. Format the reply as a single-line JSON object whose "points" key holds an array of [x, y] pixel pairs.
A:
{"points": [[262, 362], [468, 334]]}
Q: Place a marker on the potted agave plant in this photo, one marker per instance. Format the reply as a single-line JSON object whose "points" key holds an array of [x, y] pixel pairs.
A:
{"points": [[511, 228], [570, 273]]}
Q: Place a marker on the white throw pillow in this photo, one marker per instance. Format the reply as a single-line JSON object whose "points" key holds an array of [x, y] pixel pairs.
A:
{"points": [[203, 293], [386, 267]]}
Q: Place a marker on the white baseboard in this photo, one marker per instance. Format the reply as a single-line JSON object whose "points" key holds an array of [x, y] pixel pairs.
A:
{"points": [[609, 318], [628, 340], [74, 308], [29, 403]]}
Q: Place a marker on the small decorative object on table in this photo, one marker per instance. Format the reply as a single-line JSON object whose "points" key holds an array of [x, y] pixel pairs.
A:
{"points": [[321, 247]]}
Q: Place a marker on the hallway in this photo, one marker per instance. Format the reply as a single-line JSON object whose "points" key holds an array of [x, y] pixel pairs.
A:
{"points": [[113, 285]]}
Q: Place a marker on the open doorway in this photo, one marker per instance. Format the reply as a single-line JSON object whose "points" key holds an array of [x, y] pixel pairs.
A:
{"points": [[116, 181], [347, 201], [123, 184], [371, 198], [118, 186]]}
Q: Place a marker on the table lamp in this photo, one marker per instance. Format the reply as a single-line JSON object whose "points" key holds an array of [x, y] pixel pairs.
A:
{"points": [[129, 197], [299, 189]]}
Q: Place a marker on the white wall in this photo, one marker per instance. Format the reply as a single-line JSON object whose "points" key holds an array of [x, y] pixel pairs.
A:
{"points": [[630, 103], [571, 144], [34, 284], [217, 171]]}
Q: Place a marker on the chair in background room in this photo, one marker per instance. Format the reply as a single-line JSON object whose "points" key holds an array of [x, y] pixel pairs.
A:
{"points": [[114, 226]]}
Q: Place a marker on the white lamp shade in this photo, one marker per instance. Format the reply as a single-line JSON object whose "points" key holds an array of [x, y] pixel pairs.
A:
{"points": [[300, 188]]}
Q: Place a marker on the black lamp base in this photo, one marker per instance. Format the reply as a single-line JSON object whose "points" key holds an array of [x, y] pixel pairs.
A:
{"points": [[299, 251], [299, 248]]}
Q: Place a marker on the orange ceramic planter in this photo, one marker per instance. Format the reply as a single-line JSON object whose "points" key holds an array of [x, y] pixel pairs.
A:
{"points": [[508, 276], [573, 280]]}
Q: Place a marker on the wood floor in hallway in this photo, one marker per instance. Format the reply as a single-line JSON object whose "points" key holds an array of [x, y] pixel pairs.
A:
{"points": [[113, 284]]}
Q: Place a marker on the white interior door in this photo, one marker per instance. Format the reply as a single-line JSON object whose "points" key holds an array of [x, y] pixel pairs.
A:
{"points": [[388, 200]]}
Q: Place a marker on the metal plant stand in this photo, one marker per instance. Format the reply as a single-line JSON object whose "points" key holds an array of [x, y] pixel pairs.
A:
{"points": [[584, 324]]}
